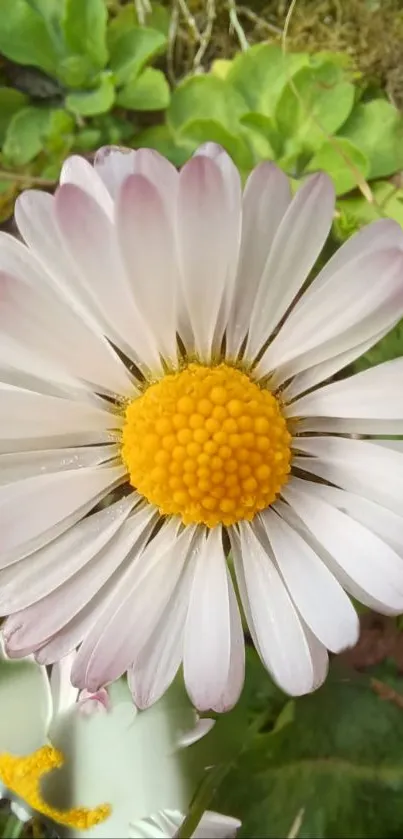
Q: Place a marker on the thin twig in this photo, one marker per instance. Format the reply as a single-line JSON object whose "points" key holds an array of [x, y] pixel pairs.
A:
{"points": [[387, 693], [143, 8], [236, 26], [190, 19], [205, 35], [259, 21], [21, 178]]}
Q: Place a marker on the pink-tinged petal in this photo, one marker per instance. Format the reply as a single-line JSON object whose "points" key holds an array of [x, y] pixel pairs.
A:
{"points": [[36, 220], [133, 612], [295, 249], [213, 668], [36, 318], [291, 653], [33, 626], [316, 593], [160, 172], [146, 239], [64, 695], [158, 662], [25, 582], [360, 553], [266, 199], [363, 298], [93, 703], [90, 240], [77, 170], [206, 240], [114, 164], [36, 510]]}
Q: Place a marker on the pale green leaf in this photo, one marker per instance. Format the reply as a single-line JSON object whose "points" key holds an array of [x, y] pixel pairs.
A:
{"points": [[25, 135], [132, 50], [377, 129], [206, 98], [148, 92], [26, 37], [84, 28], [343, 161], [91, 102], [261, 73], [314, 105], [11, 101]]}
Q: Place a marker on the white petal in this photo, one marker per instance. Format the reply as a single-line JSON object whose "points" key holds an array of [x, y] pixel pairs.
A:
{"points": [[162, 174], [357, 465], [266, 198], [316, 593], [205, 232], [35, 510], [25, 706], [165, 825], [374, 394], [159, 660], [36, 220], [36, 317], [133, 612], [146, 239], [33, 578], [208, 633], [360, 300], [64, 695], [286, 647], [368, 560], [77, 170], [322, 371], [387, 525], [90, 241], [296, 247], [114, 165], [15, 466], [28, 415], [35, 624]]}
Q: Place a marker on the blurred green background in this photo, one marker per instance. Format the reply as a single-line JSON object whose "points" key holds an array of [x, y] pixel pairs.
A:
{"points": [[324, 93]]}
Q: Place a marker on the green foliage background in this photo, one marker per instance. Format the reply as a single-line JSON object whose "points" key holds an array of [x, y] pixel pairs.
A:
{"points": [[77, 74]]}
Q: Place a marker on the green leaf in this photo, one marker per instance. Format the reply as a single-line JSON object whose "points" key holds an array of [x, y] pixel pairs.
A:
{"points": [[377, 129], [84, 28], [132, 50], [25, 135], [92, 102], [264, 135], [317, 103], [161, 138], [88, 139], [76, 71], [388, 202], [126, 18], [26, 37], [261, 73], [339, 761], [200, 131], [148, 92], [206, 98], [342, 160], [11, 101]]}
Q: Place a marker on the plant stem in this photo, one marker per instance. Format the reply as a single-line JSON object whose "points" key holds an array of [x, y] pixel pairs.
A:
{"points": [[201, 800], [13, 827]]}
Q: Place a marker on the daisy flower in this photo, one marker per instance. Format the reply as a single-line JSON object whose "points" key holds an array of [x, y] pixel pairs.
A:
{"points": [[103, 750], [169, 425]]}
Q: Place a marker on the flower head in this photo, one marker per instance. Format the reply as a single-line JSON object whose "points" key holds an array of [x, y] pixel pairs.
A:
{"points": [[167, 396], [55, 754]]}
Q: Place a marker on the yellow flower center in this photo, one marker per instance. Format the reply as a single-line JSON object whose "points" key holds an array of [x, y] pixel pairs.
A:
{"points": [[207, 444], [22, 775]]}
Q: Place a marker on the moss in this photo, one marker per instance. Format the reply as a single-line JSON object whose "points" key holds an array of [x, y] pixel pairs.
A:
{"points": [[369, 31]]}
